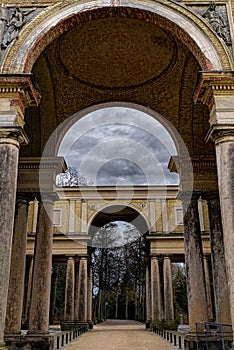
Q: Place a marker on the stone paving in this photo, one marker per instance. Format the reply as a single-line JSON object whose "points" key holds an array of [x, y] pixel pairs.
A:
{"points": [[120, 335]]}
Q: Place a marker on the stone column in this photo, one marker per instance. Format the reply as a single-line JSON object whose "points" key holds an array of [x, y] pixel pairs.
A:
{"points": [[90, 298], [168, 290], [147, 296], [54, 280], [82, 290], [221, 292], [70, 290], [224, 145], [164, 216], [196, 290], [29, 289], [40, 301], [208, 288], [84, 216], [155, 289], [10, 139], [18, 262]]}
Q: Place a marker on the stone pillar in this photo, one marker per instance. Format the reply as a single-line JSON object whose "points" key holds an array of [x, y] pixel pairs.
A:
{"points": [[90, 298], [224, 145], [84, 216], [82, 290], [70, 290], [221, 292], [40, 301], [54, 280], [208, 288], [168, 290], [18, 262], [29, 289], [10, 139], [147, 297], [155, 289], [196, 290], [164, 216]]}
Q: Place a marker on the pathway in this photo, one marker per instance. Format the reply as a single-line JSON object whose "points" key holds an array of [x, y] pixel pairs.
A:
{"points": [[120, 335]]}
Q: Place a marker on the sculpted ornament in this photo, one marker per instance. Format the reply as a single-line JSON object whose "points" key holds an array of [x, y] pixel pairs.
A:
{"points": [[12, 21], [216, 20]]}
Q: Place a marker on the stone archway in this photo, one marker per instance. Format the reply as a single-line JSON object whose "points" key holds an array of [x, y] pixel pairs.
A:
{"points": [[41, 49]]}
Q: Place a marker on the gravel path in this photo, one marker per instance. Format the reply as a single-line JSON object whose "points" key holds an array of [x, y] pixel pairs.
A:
{"points": [[120, 335]]}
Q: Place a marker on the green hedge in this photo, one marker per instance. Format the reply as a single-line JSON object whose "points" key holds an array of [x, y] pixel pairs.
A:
{"points": [[165, 324]]}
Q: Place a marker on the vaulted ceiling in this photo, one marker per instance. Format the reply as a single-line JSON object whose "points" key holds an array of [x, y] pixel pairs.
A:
{"points": [[122, 57]]}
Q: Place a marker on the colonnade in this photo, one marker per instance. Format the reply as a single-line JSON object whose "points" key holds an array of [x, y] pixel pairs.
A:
{"points": [[159, 292], [78, 296], [204, 303]]}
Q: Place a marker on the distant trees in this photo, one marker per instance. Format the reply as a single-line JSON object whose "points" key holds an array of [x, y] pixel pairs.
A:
{"points": [[180, 291], [118, 272]]}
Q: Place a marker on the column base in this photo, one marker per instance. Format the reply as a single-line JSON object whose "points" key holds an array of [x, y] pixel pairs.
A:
{"points": [[191, 343], [30, 342], [73, 325], [90, 324]]}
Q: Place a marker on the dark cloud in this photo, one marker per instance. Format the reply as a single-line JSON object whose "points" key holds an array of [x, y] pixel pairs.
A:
{"points": [[120, 145]]}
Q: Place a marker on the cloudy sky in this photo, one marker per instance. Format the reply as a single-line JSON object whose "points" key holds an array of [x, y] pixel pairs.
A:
{"points": [[120, 146]]}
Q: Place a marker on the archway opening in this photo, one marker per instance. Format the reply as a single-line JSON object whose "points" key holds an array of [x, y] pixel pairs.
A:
{"points": [[118, 252], [119, 145]]}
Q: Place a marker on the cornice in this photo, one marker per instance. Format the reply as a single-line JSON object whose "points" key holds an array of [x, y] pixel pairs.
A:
{"points": [[20, 86]]}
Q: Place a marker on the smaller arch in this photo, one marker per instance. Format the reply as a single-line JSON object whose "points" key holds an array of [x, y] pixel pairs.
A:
{"points": [[118, 212]]}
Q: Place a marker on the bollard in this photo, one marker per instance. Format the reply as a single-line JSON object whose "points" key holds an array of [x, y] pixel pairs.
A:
{"points": [[175, 339], [58, 342], [170, 337], [180, 347]]}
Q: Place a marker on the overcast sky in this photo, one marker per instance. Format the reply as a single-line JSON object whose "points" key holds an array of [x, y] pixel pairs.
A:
{"points": [[120, 146]]}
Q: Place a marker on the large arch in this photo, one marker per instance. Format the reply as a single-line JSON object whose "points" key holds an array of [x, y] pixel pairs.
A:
{"points": [[210, 51], [200, 50]]}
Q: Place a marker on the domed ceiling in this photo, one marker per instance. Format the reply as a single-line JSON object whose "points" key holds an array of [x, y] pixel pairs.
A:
{"points": [[127, 55], [112, 53]]}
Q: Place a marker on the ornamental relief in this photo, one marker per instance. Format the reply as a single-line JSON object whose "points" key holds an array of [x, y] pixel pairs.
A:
{"points": [[12, 21], [95, 207], [216, 16]]}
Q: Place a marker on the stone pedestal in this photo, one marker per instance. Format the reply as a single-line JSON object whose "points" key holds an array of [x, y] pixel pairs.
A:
{"points": [[30, 342], [168, 290], [155, 289], [18, 260], [221, 292], [196, 291], [10, 139], [40, 301]]}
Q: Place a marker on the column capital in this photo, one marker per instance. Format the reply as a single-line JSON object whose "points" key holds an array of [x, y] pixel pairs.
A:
{"points": [[24, 197], [221, 133], [210, 196], [212, 83], [14, 134], [188, 196]]}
